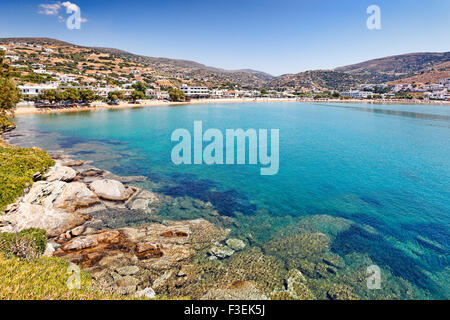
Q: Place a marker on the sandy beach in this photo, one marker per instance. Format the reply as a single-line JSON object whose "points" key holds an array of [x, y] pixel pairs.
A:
{"points": [[150, 103]]}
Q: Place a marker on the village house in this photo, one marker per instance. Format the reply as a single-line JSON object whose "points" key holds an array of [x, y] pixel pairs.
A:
{"points": [[36, 89], [195, 92]]}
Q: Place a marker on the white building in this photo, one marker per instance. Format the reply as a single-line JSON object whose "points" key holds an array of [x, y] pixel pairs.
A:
{"points": [[217, 93], [12, 58], [356, 94], [41, 71], [36, 89], [66, 78], [195, 92]]}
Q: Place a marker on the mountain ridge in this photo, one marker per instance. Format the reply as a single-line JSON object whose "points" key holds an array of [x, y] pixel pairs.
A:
{"points": [[415, 66]]}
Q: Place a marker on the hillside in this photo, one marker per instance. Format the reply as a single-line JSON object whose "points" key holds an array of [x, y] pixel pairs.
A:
{"points": [[92, 60], [195, 70], [436, 73], [406, 68], [396, 67], [317, 80], [114, 66]]}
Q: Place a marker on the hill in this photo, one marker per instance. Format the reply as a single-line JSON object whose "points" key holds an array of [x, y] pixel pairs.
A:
{"points": [[112, 65], [406, 68], [397, 67], [317, 80], [173, 71]]}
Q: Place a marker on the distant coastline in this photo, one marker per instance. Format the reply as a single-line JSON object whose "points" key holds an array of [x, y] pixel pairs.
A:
{"points": [[152, 103]]}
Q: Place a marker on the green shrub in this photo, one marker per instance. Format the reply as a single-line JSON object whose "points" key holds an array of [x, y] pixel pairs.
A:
{"points": [[5, 124], [17, 168], [27, 244]]}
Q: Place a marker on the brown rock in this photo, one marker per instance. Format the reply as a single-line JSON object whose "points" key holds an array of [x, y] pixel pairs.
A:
{"points": [[173, 234], [146, 250]]}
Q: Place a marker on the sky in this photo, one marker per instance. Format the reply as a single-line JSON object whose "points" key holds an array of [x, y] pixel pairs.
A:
{"points": [[274, 36]]}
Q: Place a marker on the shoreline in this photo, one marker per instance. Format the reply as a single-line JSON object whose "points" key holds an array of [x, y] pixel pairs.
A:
{"points": [[155, 103]]}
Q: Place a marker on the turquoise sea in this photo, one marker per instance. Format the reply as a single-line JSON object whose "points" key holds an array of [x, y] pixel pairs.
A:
{"points": [[384, 169]]}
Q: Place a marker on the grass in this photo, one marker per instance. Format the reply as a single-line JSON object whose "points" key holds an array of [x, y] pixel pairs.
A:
{"points": [[44, 279], [17, 168]]}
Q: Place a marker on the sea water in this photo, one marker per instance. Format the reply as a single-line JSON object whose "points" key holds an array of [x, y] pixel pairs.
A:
{"points": [[384, 167]]}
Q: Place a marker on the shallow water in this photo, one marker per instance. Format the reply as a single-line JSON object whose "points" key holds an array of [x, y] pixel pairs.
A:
{"points": [[384, 167]]}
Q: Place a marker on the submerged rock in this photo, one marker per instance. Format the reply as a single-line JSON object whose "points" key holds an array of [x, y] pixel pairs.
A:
{"points": [[128, 270], [341, 292], [235, 244], [72, 163], [220, 251], [296, 286], [302, 251], [241, 290]]}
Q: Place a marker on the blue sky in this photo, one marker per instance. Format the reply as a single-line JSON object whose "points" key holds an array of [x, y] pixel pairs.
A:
{"points": [[275, 36]]}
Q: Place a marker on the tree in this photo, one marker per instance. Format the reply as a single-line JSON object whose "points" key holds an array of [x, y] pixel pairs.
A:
{"points": [[71, 94], [137, 95], [87, 95], [140, 86], [115, 95], [51, 96], [176, 94], [9, 94]]}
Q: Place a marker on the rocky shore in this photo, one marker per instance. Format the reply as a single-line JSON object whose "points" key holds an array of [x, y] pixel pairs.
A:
{"points": [[138, 261]]}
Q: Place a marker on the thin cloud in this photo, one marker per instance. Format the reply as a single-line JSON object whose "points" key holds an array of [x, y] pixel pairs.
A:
{"points": [[49, 9], [55, 8]]}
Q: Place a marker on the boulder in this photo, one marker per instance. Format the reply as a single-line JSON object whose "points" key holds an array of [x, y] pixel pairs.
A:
{"points": [[55, 222], [75, 196], [148, 293], [78, 231], [111, 190], [44, 193], [49, 250], [60, 173]]}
